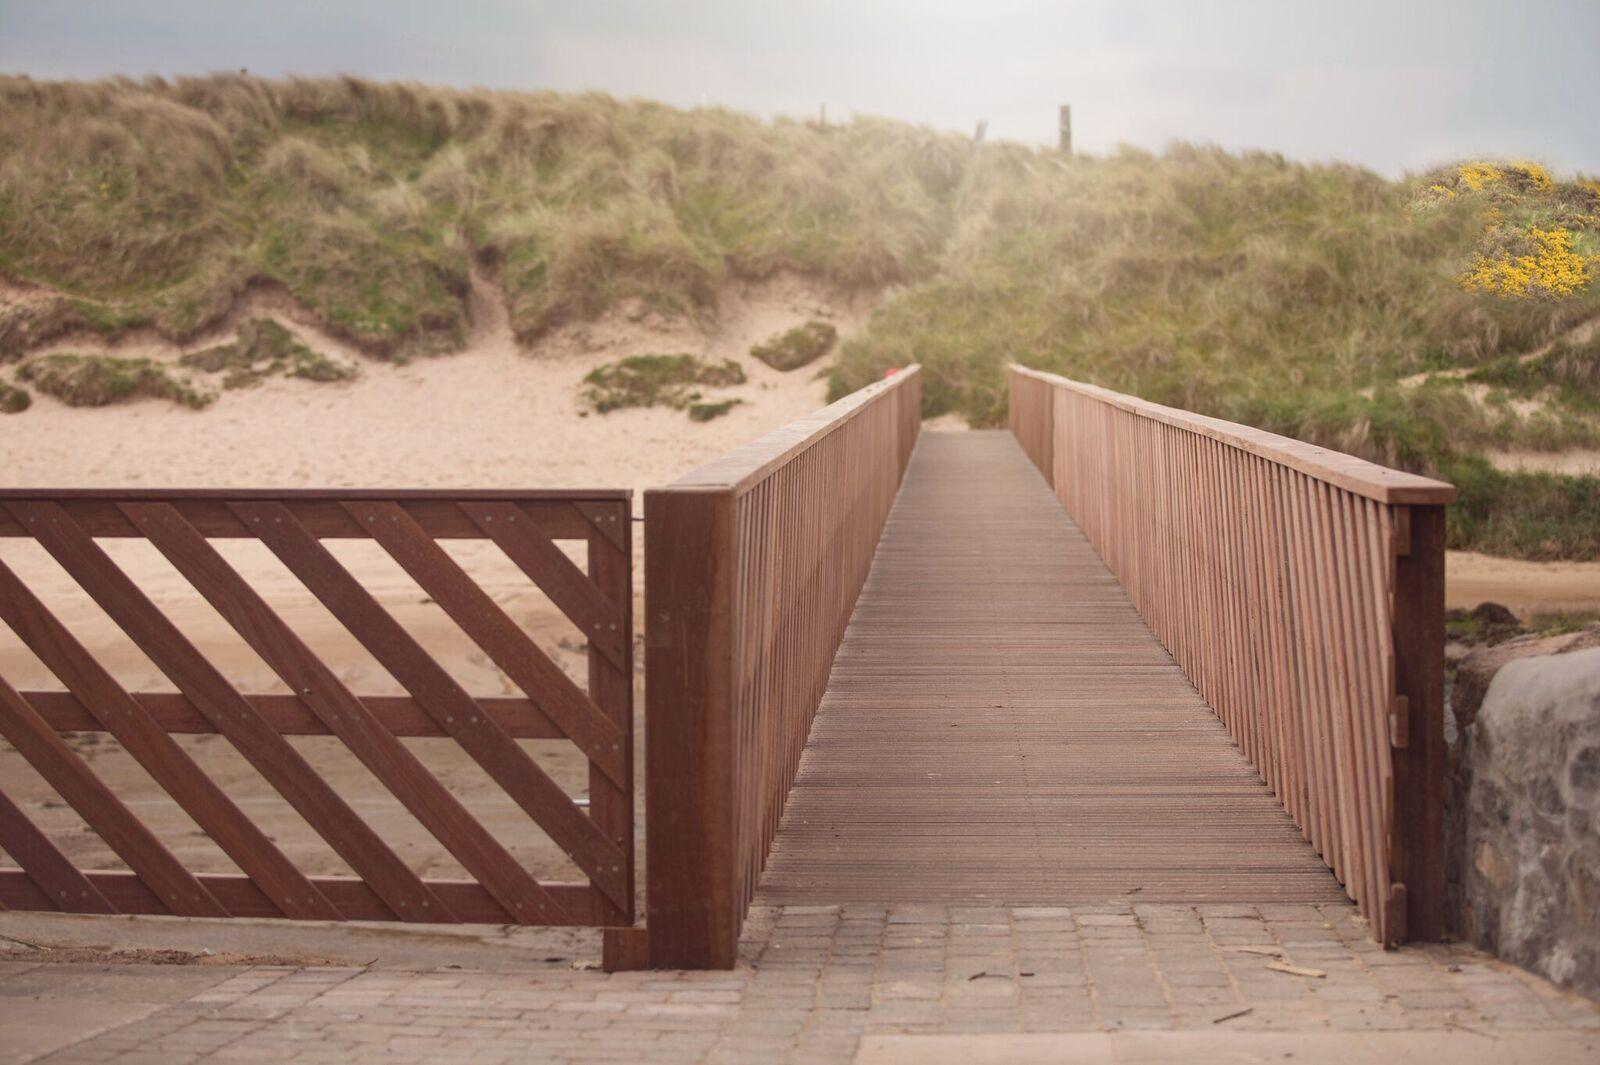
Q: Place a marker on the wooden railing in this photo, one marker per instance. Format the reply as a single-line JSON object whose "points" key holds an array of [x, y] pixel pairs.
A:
{"points": [[71, 525], [1302, 591], [752, 567]]}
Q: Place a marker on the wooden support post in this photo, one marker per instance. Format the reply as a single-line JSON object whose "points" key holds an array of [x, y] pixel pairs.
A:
{"points": [[1066, 129], [1419, 765], [693, 903]]}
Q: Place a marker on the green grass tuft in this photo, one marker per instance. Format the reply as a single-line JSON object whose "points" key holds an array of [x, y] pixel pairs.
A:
{"points": [[14, 400], [265, 348], [705, 412], [798, 347], [656, 380], [100, 380], [1544, 516]]}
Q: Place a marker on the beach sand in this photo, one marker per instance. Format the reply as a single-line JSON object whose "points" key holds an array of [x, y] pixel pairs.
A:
{"points": [[489, 417]]}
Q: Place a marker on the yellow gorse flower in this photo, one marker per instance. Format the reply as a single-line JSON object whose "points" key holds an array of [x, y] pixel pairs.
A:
{"points": [[1553, 268], [1537, 176], [1476, 176]]}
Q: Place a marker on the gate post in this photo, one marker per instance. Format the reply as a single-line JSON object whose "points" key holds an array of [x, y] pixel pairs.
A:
{"points": [[692, 902]]}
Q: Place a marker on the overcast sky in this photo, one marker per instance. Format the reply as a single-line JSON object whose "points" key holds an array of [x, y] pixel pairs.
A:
{"points": [[1393, 85]]}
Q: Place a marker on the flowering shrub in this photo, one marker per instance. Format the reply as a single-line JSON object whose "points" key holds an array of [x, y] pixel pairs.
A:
{"points": [[1538, 235], [1477, 176], [1547, 267]]}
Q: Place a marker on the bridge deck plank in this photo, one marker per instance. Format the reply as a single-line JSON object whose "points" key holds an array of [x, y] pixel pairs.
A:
{"points": [[1001, 727]]}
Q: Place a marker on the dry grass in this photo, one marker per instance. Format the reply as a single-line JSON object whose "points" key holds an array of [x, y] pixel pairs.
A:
{"points": [[1289, 296], [157, 202]]}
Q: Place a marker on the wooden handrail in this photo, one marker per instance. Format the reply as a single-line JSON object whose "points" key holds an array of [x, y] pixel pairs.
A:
{"points": [[752, 567], [1302, 591], [745, 467], [1335, 467]]}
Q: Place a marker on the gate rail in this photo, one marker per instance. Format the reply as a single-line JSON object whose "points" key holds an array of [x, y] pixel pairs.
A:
{"points": [[293, 525], [1302, 591]]}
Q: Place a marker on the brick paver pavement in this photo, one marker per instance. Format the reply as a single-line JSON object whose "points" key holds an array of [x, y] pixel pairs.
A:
{"points": [[815, 979]]}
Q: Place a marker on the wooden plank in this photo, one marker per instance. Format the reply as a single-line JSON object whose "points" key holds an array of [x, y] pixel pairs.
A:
{"points": [[269, 753], [390, 761], [195, 793], [611, 684], [354, 898], [599, 619], [59, 882], [321, 513], [439, 693], [179, 892], [288, 715], [605, 519]]}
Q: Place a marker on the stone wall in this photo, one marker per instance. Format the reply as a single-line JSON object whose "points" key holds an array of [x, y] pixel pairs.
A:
{"points": [[1522, 806]]}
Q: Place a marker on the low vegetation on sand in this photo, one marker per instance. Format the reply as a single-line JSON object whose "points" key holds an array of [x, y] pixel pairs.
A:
{"points": [[14, 400], [705, 412], [661, 380], [1427, 323], [100, 380], [265, 348], [800, 346]]}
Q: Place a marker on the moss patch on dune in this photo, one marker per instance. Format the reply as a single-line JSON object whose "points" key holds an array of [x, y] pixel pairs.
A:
{"points": [[658, 380], [101, 380], [705, 412], [800, 346], [264, 349]]}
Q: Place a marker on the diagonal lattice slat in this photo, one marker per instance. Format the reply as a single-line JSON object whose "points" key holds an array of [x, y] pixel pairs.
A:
{"points": [[384, 756], [155, 750], [282, 766], [395, 649]]}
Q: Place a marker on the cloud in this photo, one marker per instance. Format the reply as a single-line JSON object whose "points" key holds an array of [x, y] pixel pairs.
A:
{"points": [[1389, 85]]}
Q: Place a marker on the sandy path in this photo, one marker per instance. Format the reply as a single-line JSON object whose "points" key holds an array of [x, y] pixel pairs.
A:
{"points": [[1524, 587]]}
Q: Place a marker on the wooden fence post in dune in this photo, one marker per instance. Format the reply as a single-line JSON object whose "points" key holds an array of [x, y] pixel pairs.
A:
{"points": [[1302, 592], [1066, 129], [752, 568]]}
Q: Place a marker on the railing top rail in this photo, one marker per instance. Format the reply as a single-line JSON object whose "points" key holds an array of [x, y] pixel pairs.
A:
{"points": [[1337, 468], [236, 495], [744, 467]]}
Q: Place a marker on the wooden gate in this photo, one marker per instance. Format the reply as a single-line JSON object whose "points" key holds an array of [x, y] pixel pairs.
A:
{"points": [[293, 526]]}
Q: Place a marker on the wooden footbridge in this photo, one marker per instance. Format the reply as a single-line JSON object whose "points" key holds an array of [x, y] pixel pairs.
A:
{"points": [[1117, 651]]}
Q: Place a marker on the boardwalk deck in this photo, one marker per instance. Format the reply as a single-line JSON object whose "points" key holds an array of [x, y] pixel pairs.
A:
{"points": [[1001, 727]]}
